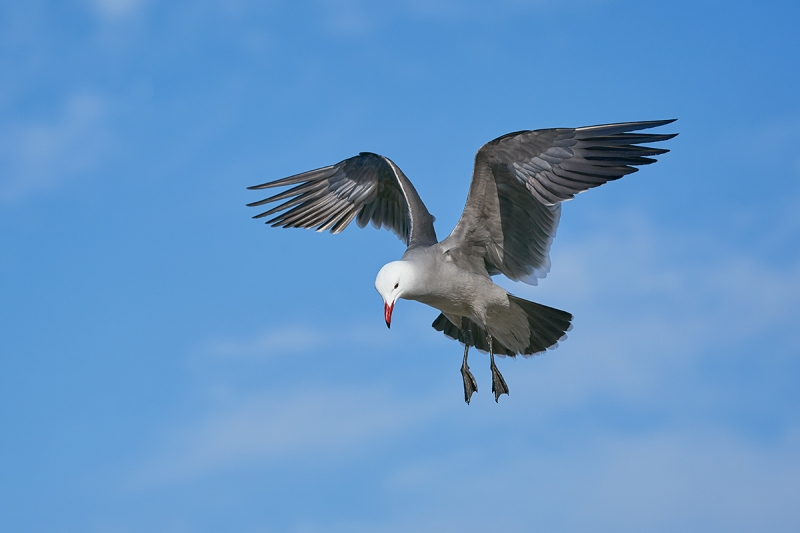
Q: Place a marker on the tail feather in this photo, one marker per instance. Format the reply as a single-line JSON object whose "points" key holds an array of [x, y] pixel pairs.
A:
{"points": [[547, 326]]}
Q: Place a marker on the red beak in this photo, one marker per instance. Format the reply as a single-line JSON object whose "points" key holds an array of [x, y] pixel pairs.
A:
{"points": [[387, 313]]}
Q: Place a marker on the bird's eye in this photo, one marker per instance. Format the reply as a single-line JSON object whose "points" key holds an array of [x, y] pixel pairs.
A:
{"points": [[396, 284]]}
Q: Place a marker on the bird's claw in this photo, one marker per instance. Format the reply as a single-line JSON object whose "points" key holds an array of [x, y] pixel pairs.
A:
{"points": [[498, 383], [470, 385]]}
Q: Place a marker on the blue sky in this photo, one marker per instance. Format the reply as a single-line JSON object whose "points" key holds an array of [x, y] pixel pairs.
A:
{"points": [[168, 364]]}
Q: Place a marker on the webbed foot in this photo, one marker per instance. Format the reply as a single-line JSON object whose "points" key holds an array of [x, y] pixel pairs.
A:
{"points": [[498, 383], [470, 385]]}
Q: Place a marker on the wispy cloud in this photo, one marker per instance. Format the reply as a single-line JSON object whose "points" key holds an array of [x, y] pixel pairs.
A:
{"points": [[686, 279], [38, 155], [664, 481], [289, 339], [283, 424], [293, 338]]}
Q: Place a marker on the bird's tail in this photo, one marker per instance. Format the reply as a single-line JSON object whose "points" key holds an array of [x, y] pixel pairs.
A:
{"points": [[547, 326]]}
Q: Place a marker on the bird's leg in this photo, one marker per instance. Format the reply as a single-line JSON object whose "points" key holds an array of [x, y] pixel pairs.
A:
{"points": [[470, 385], [498, 383]]}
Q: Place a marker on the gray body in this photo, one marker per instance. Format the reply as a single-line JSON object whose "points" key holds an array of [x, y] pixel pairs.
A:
{"points": [[459, 292]]}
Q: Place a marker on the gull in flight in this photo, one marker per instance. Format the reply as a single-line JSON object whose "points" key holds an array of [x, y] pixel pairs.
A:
{"points": [[518, 184]]}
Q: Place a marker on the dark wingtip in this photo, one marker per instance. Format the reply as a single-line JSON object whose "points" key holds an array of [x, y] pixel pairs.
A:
{"points": [[657, 123], [649, 124]]}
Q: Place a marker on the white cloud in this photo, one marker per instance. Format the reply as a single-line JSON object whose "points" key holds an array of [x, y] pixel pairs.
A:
{"points": [[686, 282], [38, 155], [668, 481], [294, 338], [295, 423], [289, 339]]}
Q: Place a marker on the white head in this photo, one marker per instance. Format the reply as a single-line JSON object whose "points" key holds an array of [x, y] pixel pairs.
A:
{"points": [[394, 280]]}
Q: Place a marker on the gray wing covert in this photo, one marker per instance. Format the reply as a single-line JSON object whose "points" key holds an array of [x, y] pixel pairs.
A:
{"points": [[520, 180], [368, 188]]}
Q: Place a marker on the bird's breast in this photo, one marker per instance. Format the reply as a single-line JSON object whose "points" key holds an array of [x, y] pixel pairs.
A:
{"points": [[455, 291]]}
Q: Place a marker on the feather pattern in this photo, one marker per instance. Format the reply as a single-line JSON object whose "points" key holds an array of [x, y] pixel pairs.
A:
{"points": [[518, 184], [367, 188]]}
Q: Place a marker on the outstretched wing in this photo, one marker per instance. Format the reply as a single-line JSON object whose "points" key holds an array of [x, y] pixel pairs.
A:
{"points": [[367, 188], [520, 180]]}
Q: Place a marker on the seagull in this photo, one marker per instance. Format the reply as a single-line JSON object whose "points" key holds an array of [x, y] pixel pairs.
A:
{"points": [[507, 227]]}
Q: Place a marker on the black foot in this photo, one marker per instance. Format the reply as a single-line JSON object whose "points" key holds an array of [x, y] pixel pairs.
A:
{"points": [[470, 385], [498, 383]]}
